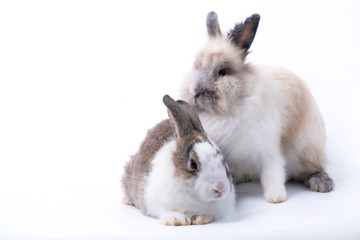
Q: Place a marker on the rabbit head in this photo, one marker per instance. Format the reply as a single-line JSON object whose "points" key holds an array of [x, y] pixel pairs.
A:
{"points": [[198, 162], [220, 75]]}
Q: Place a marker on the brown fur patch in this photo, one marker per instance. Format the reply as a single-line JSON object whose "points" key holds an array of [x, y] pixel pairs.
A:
{"points": [[140, 164], [296, 108], [299, 111], [312, 159], [182, 155]]}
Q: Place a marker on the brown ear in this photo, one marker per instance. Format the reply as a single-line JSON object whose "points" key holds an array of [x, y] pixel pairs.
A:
{"points": [[244, 33], [212, 25], [183, 117], [192, 115], [179, 119]]}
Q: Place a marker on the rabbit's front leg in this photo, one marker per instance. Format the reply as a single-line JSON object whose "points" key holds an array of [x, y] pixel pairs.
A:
{"points": [[273, 179], [171, 218]]}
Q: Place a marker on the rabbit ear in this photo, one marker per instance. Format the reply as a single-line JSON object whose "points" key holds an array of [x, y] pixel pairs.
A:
{"points": [[192, 115], [183, 117], [243, 34], [178, 118], [212, 24]]}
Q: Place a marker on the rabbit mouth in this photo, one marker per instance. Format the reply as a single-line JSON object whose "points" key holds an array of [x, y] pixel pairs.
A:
{"points": [[205, 100], [217, 196]]}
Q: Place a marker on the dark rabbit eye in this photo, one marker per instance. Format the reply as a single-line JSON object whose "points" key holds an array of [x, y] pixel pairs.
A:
{"points": [[193, 164], [223, 72]]}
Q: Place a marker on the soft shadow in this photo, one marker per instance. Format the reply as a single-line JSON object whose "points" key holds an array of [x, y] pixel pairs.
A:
{"points": [[249, 192], [249, 198], [294, 188]]}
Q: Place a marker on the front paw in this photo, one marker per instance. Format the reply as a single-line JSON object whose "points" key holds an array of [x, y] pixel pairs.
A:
{"points": [[201, 220], [275, 195], [175, 219]]}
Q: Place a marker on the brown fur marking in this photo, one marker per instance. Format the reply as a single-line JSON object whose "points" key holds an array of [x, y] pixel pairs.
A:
{"points": [[140, 164], [311, 158], [296, 109], [181, 156]]}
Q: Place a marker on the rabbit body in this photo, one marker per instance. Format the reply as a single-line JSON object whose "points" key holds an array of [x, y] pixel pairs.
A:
{"points": [[163, 192], [264, 119], [179, 175]]}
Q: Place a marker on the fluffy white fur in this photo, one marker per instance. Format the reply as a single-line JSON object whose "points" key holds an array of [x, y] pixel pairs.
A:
{"points": [[170, 199], [264, 119], [248, 130]]}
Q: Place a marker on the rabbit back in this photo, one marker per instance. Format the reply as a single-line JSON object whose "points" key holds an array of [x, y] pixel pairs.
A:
{"points": [[139, 166]]}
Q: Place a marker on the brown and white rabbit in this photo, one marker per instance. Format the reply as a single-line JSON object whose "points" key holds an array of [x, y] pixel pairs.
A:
{"points": [[179, 175], [264, 119]]}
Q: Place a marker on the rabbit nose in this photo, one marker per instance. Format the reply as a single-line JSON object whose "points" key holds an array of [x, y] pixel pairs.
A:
{"points": [[196, 97], [219, 188], [197, 94]]}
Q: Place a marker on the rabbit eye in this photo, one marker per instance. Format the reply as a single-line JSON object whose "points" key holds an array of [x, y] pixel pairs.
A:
{"points": [[193, 164], [223, 72]]}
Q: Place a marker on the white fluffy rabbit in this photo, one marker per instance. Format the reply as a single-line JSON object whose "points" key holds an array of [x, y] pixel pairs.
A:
{"points": [[179, 175], [264, 119]]}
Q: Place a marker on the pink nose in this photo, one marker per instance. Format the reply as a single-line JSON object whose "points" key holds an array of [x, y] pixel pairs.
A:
{"points": [[219, 188]]}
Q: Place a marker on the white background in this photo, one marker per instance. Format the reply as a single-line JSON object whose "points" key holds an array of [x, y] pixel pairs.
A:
{"points": [[82, 81]]}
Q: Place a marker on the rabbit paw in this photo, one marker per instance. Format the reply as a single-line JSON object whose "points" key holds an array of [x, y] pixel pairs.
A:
{"points": [[175, 219], [201, 219], [275, 195], [127, 201], [320, 182]]}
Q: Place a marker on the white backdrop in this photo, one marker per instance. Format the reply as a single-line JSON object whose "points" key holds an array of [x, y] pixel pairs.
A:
{"points": [[82, 81]]}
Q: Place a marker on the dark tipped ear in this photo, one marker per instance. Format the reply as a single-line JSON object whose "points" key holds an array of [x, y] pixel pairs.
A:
{"points": [[192, 115], [212, 25], [244, 33], [179, 119]]}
